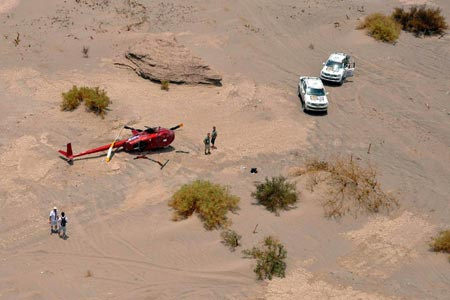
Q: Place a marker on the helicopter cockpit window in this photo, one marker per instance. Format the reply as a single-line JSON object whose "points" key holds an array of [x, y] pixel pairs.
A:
{"points": [[140, 146]]}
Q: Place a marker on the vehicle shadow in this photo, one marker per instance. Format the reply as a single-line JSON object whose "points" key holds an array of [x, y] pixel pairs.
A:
{"points": [[332, 84], [336, 84], [316, 113]]}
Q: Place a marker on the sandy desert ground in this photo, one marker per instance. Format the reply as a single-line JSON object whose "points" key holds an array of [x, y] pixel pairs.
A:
{"points": [[122, 242]]}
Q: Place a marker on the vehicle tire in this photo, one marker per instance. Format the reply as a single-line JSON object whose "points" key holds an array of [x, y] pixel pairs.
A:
{"points": [[341, 82]]}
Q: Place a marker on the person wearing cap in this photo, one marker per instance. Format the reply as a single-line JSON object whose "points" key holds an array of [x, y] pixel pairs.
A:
{"points": [[53, 220]]}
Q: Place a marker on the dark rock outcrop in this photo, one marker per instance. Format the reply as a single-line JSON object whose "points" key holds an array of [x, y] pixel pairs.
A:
{"points": [[160, 57]]}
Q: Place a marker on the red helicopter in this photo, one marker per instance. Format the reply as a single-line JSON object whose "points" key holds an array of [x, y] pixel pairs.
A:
{"points": [[142, 140]]}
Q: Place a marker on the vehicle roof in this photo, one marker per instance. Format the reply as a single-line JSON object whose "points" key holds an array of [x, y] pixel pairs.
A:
{"points": [[314, 82], [338, 57]]}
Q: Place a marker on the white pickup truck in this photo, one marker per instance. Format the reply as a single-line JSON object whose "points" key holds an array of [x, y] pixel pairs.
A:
{"points": [[312, 94], [337, 68]]}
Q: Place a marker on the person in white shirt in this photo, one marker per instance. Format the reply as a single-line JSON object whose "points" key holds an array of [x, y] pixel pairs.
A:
{"points": [[53, 220]]}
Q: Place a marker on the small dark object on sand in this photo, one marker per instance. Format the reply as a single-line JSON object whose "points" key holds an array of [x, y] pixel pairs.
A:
{"points": [[253, 170]]}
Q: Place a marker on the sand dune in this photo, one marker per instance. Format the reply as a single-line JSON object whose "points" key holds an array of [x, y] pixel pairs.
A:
{"points": [[122, 242]]}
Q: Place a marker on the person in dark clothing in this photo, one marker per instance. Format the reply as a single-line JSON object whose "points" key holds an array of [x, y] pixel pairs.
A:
{"points": [[213, 137], [207, 142], [62, 225]]}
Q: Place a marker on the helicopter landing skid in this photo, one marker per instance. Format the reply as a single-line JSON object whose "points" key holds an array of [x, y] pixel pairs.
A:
{"points": [[162, 165]]}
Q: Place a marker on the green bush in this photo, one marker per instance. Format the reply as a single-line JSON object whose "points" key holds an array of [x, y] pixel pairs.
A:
{"points": [[421, 20], [165, 85], [270, 259], [95, 99], [211, 202], [71, 99], [231, 239], [441, 242], [382, 28], [276, 194]]}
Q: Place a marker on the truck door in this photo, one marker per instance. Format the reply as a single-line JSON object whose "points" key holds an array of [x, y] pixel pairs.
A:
{"points": [[349, 70]]}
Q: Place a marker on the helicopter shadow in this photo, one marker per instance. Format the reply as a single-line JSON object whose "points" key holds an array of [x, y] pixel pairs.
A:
{"points": [[70, 162], [135, 153]]}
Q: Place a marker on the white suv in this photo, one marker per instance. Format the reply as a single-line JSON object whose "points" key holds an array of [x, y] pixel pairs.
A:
{"points": [[337, 68], [312, 94]]}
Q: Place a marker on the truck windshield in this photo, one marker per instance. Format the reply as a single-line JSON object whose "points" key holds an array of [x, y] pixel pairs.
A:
{"points": [[315, 92], [334, 64]]}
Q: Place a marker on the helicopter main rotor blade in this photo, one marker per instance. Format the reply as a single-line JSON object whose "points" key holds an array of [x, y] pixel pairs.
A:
{"points": [[176, 127], [131, 128]]}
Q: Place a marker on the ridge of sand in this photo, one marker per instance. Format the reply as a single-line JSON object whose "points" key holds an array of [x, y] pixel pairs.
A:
{"points": [[301, 282]]}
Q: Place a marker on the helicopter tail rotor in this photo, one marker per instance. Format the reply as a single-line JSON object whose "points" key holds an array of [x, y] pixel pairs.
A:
{"points": [[67, 154]]}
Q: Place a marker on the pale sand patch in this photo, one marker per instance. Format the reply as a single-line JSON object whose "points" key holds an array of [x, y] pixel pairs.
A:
{"points": [[383, 244], [22, 156], [412, 2], [7, 5], [139, 196], [301, 284]]}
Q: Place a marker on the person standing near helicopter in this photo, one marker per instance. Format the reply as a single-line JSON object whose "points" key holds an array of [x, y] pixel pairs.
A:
{"points": [[213, 137], [53, 220], [207, 142]]}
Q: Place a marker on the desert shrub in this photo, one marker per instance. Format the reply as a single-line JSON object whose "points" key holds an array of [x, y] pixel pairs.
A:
{"points": [[270, 258], [441, 242], [351, 188], [276, 194], [211, 202], [231, 239], [71, 99], [421, 20], [165, 85], [95, 100], [382, 28], [85, 51], [17, 40], [311, 166]]}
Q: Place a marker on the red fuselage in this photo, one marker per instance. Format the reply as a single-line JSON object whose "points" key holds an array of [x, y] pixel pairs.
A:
{"points": [[142, 140]]}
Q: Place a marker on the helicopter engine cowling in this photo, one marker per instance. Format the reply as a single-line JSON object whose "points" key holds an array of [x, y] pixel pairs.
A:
{"points": [[144, 141]]}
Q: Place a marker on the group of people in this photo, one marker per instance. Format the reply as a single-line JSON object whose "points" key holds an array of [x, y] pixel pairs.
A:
{"points": [[57, 223], [210, 140]]}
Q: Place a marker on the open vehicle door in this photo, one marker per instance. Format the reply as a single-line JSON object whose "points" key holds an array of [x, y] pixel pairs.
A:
{"points": [[300, 87], [350, 70]]}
